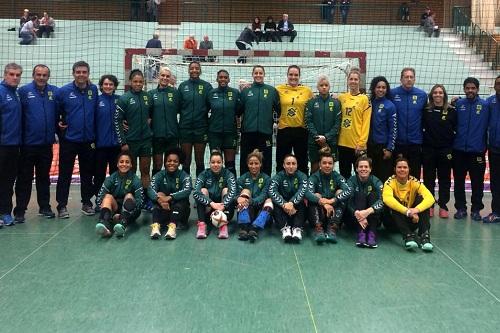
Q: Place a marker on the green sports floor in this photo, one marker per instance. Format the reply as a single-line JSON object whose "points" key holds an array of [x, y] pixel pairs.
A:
{"points": [[58, 276]]}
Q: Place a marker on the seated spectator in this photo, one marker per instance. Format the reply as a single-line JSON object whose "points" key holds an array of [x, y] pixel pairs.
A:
{"points": [[430, 26], [207, 44], [190, 43], [285, 28], [270, 32], [257, 28], [47, 25], [424, 17], [28, 32], [155, 42], [404, 12], [244, 42], [25, 18]]}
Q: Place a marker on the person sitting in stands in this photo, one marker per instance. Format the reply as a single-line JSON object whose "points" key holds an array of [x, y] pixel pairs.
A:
{"points": [[244, 42], [286, 28], [207, 44], [257, 28], [47, 25], [424, 17], [430, 26], [28, 32], [25, 18], [270, 32], [155, 42], [190, 43]]}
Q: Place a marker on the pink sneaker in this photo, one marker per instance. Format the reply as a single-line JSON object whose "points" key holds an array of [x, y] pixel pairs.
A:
{"points": [[431, 212], [443, 213], [202, 230], [223, 233]]}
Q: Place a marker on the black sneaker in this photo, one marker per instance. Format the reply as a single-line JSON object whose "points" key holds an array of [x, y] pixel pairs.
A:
{"points": [[88, 210], [19, 218], [47, 213], [62, 213], [243, 234], [253, 234]]}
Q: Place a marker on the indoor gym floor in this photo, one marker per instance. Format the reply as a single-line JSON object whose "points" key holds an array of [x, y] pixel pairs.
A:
{"points": [[58, 276]]}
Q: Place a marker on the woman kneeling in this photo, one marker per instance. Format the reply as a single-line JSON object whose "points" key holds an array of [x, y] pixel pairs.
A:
{"points": [[121, 192]]}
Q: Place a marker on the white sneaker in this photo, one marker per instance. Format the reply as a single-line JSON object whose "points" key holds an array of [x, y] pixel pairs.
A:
{"points": [[155, 231], [286, 233], [297, 234]]}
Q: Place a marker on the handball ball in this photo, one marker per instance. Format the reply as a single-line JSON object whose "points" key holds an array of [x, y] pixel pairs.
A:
{"points": [[218, 218]]}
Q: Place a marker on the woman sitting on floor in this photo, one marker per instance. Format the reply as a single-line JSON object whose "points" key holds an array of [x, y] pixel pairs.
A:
{"points": [[121, 192]]}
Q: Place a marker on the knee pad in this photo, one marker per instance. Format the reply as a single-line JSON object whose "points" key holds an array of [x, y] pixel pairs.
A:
{"points": [[129, 204], [269, 205]]}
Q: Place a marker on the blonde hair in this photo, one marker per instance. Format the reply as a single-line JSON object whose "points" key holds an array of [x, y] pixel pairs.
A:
{"points": [[257, 154]]}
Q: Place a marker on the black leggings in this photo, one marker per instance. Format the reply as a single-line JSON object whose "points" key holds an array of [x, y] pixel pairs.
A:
{"points": [[178, 213], [283, 219], [405, 224]]}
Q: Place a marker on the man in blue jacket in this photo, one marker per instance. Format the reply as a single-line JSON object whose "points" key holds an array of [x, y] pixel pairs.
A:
{"points": [[494, 153], [77, 104], [410, 103], [39, 125], [10, 138], [469, 149]]}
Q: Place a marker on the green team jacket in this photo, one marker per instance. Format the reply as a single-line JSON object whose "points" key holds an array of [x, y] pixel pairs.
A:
{"points": [[214, 183], [193, 103], [259, 101], [327, 185], [288, 188], [118, 186], [176, 184], [258, 187], [373, 184], [165, 107], [134, 107], [323, 117], [224, 104]]}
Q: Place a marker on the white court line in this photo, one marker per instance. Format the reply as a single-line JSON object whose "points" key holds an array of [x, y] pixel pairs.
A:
{"points": [[35, 250], [469, 275], [305, 292]]}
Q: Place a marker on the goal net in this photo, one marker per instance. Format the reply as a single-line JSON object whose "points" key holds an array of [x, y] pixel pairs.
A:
{"points": [[335, 65]]}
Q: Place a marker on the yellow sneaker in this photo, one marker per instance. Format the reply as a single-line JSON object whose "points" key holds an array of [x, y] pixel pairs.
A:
{"points": [[155, 231], [171, 234]]}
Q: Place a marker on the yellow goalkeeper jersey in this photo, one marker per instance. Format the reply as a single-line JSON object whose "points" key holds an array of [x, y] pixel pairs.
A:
{"points": [[400, 197], [355, 124], [293, 104]]}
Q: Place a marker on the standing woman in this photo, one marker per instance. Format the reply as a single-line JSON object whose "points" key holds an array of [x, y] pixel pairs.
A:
{"points": [[383, 128], [439, 123], [356, 113], [107, 145], [134, 108], [253, 203], [291, 124], [214, 190], [408, 201], [323, 122], [260, 104], [224, 103], [287, 190], [165, 107], [169, 190], [193, 122], [120, 193], [327, 194]]}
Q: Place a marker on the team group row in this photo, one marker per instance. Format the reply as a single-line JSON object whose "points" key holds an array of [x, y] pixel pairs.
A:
{"points": [[96, 127]]}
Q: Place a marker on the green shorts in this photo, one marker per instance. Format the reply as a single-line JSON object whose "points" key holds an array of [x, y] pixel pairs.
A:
{"points": [[313, 152], [141, 148], [222, 140], [193, 136], [162, 145]]}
